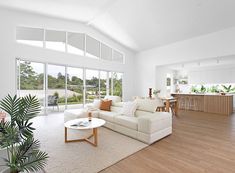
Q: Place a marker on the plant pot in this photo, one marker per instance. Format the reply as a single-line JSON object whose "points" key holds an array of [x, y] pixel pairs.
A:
{"points": [[6, 170]]}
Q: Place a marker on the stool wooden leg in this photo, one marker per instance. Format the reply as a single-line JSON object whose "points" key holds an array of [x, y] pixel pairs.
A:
{"points": [[167, 106]]}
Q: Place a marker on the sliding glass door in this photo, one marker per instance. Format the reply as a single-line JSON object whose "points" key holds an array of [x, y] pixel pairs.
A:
{"points": [[31, 80], [117, 84], [104, 87], [92, 85], [74, 87], [56, 95], [60, 87]]}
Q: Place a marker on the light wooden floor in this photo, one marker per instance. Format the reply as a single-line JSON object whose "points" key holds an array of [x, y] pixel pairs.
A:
{"points": [[200, 143]]}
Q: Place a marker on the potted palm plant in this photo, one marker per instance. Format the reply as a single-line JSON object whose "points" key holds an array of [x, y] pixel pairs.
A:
{"points": [[16, 135]]}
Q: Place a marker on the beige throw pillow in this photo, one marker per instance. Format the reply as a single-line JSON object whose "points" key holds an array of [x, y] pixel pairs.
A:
{"points": [[148, 105]]}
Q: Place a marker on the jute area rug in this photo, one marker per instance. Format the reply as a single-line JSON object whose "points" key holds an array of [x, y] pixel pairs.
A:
{"points": [[81, 157]]}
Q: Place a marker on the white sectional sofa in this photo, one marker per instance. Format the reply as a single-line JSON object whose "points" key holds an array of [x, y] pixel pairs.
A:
{"points": [[147, 125]]}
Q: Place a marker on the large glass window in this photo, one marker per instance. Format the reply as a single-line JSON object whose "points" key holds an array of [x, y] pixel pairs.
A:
{"points": [[59, 87], [55, 40], [74, 87], [56, 96], [118, 56], [92, 47], [31, 80], [92, 85], [30, 36], [110, 79], [71, 42], [103, 83], [76, 42], [117, 84], [106, 52]]}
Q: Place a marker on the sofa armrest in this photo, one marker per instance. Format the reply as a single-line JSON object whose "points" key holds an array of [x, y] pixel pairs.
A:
{"points": [[155, 122]]}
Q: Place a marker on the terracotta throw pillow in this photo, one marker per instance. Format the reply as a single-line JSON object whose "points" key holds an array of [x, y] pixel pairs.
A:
{"points": [[105, 105]]}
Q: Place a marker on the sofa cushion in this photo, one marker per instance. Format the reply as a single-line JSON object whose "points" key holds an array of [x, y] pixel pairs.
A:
{"points": [[117, 104], [139, 113], [148, 105], [127, 121], [158, 121], [106, 105], [116, 109], [108, 116]]}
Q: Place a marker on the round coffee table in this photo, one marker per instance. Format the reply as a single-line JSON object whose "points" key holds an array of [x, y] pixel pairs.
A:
{"points": [[94, 124]]}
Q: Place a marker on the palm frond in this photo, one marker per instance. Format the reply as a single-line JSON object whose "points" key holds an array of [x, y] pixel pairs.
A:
{"points": [[29, 107], [9, 134], [11, 106], [34, 162], [27, 147], [17, 135]]}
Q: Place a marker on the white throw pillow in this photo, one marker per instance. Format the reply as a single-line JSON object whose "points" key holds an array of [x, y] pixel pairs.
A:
{"points": [[129, 108], [96, 104]]}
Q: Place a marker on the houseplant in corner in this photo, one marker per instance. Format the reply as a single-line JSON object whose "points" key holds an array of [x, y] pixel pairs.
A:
{"points": [[16, 135]]}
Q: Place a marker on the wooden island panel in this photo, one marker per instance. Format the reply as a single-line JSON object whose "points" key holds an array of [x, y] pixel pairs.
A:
{"points": [[218, 104]]}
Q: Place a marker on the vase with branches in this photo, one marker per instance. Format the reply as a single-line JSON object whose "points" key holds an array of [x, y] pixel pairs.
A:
{"points": [[16, 135]]}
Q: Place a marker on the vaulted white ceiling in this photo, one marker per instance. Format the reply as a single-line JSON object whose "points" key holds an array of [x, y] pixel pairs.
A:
{"points": [[139, 24]]}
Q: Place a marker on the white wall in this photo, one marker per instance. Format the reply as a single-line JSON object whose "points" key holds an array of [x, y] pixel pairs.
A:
{"points": [[160, 82], [216, 44], [9, 49], [212, 76]]}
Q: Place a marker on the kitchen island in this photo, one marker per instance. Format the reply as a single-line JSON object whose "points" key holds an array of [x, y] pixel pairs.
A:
{"points": [[210, 103]]}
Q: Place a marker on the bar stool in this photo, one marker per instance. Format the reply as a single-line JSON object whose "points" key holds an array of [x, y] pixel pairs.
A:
{"points": [[161, 106], [161, 109], [173, 106]]}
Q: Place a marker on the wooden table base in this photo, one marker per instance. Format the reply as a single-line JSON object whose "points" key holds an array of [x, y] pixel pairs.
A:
{"points": [[87, 139]]}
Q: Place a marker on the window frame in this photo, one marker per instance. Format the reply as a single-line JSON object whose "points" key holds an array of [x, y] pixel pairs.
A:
{"points": [[66, 44], [108, 87]]}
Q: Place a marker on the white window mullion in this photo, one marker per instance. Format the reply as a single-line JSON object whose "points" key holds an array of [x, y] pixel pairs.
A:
{"points": [[112, 83], [85, 45], [18, 75], [44, 38], [66, 42], [107, 83], [45, 88], [66, 87], [100, 50], [84, 86], [99, 84]]}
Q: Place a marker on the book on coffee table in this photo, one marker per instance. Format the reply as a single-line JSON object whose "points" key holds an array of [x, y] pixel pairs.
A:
{"points": [[81, 123]]}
